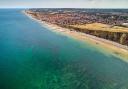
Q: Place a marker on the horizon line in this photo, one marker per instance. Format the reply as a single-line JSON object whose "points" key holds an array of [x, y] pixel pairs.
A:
{"points": [[56, 8]]}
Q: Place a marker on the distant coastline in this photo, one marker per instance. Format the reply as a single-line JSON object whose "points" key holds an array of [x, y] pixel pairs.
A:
{"points": [[110, 46]]}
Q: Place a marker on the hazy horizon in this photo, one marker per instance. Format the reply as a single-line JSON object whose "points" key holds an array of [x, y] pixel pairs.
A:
{"points": [[64, 4]]}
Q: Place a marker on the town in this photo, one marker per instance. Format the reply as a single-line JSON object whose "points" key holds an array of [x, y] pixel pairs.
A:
{"points": [[80, 16]]}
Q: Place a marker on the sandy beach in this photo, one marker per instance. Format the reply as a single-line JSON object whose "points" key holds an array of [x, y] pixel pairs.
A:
{"points": [[111, 47]]}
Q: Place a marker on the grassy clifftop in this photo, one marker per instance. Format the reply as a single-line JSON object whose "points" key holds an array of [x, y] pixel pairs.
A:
{"points": [[101, 27]]}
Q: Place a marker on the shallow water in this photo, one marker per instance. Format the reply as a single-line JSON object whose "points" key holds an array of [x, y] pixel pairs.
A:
{"points": [[32, 57]]}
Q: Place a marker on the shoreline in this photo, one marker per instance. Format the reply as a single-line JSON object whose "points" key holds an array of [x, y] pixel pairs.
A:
{"points": [[114, 48]]}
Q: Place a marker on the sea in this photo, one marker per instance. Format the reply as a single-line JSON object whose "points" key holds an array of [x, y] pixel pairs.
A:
{"points": [[33, 57]]}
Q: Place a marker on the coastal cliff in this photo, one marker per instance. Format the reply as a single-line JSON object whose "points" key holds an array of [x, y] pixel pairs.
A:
{"points": [[116, 36]]}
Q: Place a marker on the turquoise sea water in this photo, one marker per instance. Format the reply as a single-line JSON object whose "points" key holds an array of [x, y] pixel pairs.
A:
{"points": [[32, 57]]}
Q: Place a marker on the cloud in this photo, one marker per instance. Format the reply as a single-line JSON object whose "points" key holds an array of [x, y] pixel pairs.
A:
{"points": [[65, 3]]}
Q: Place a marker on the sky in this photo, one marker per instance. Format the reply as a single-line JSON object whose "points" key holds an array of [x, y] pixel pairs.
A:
{"points": [[63, 3]]}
